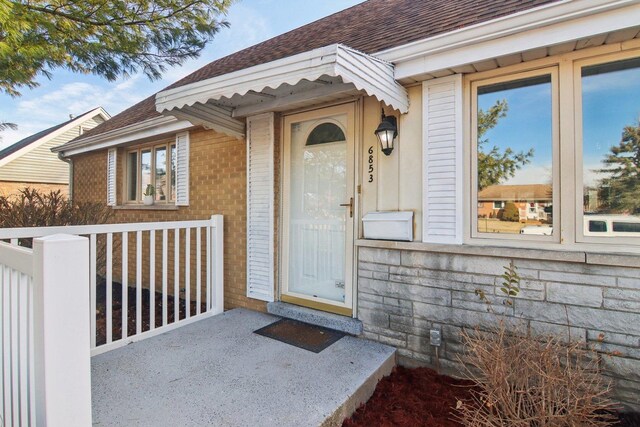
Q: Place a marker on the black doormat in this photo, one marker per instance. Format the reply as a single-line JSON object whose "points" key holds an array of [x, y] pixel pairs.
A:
{"points": [[303, 335]]}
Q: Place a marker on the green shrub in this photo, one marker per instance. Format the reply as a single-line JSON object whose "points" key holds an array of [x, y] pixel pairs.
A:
{"points": [[510, 212]]}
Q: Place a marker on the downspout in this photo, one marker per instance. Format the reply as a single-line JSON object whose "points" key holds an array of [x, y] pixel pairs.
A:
{"points": [[67, 160]]}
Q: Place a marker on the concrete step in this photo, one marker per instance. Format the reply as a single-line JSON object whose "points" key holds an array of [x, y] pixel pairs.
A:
{"points": [[364, 391], [316, 317]]}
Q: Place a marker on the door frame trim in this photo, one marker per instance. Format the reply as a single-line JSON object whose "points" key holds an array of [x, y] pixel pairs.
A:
{"points": [[353, 107]]}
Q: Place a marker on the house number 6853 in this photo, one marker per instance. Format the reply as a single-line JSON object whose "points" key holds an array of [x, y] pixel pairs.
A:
{"points": [[370, 151]]}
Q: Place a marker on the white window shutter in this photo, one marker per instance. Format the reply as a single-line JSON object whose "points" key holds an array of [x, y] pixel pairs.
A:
{"points": [[182, 169], [260, 196], [442, 165], [112, 155]]}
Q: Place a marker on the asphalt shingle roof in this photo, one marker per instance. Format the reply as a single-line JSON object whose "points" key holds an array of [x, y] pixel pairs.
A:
{"points": [[370, 27], [35, 137], [516, 192]]}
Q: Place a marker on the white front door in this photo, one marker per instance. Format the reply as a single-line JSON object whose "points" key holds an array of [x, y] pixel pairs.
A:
{"points": [[318, 208]]}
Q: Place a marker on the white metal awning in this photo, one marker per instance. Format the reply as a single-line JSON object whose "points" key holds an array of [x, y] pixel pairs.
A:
{"points": [[313, 77]]}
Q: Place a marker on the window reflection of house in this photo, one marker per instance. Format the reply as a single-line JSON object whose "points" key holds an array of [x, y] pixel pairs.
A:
{"points": [[591, 199], [149, 166], [531, 201], [595, 200]]}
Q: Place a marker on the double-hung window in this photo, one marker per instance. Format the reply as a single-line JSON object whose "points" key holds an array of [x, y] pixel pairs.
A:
{"points": [[151, 166]]}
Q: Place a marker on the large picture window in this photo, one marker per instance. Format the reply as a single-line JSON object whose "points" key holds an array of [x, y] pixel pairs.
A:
{"points": [[610, 130], [554, 153], [151, 166], [514, 147]]}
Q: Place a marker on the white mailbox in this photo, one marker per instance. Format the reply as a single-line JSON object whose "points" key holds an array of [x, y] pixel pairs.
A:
{"points": [[388, 226]]}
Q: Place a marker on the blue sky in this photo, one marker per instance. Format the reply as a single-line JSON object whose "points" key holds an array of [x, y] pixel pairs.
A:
{"points": [[611, 101], [252, 21], [527, 125]]}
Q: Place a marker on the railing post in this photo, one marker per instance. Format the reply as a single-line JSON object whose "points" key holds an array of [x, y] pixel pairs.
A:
{"points": [[62, 332], [217, 263]]}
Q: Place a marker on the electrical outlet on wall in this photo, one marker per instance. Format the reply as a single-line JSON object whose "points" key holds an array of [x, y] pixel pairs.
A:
{"points": [[434, 336]]}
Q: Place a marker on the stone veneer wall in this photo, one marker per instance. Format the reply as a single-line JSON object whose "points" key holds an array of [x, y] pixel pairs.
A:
{"points": [[402, 294]]}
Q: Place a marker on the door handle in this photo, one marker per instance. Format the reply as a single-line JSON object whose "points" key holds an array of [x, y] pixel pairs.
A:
{"points": [[350, 204]]}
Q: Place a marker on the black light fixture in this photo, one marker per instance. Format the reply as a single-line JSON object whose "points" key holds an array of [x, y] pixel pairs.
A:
{"points": [[387, 132]]}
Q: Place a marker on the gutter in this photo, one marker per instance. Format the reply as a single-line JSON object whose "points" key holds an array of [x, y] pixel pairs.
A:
{"points": [[150, 128], [69, 161], [547, 25], [538, 17]]}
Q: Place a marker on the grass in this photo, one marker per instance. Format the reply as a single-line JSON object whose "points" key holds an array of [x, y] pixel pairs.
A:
{"points": [[494, 225]]}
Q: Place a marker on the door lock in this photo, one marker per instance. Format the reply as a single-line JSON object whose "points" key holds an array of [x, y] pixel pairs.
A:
{"points": [[350, 204]]}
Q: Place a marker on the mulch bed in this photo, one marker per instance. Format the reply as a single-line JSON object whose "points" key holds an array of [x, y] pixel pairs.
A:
{"points": [[412, 397], [101, 308], [421, 397]]}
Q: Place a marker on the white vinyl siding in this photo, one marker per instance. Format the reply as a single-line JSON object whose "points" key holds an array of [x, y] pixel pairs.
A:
{"points": [[112, 155], [260, 229], [442, 160], [39, 164], [182, 169]]}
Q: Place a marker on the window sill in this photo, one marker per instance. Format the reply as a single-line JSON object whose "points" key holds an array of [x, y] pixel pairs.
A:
{"points": [[147, 208], [573, 256]]}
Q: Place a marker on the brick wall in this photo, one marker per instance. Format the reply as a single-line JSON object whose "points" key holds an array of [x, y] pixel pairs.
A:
{"points": [[217, 168], [402, 294], [9, 188]]}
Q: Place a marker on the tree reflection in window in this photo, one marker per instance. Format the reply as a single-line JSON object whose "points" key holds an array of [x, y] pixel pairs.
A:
{"points": [[514, 122], [611, 137]]}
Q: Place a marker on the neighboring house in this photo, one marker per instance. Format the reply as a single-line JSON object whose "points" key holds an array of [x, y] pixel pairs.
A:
{"points": [[30, 162], [279, 138], [531, 200]]}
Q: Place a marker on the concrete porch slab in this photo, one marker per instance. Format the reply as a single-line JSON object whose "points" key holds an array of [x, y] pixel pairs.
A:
{"points": [[217, 372]]}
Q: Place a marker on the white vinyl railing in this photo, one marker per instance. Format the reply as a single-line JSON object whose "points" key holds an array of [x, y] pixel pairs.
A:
{"points": [[45, 361], [16, 318], [57, 305], [173, 267]]}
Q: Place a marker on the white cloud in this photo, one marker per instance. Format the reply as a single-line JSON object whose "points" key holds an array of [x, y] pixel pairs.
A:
{"points": [[53, 102], [248, 27], [8, 137], [66, 93], [71, 98], [38, 113], [629, 79], [531, 174], [591, 174]]}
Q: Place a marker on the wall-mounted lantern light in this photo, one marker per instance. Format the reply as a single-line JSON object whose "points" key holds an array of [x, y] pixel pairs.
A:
{"points": [[387, 132]]}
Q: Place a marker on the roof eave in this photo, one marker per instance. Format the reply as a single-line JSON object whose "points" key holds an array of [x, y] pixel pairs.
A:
{"points": [[146, 129], [72, 123], [553, 23]]}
